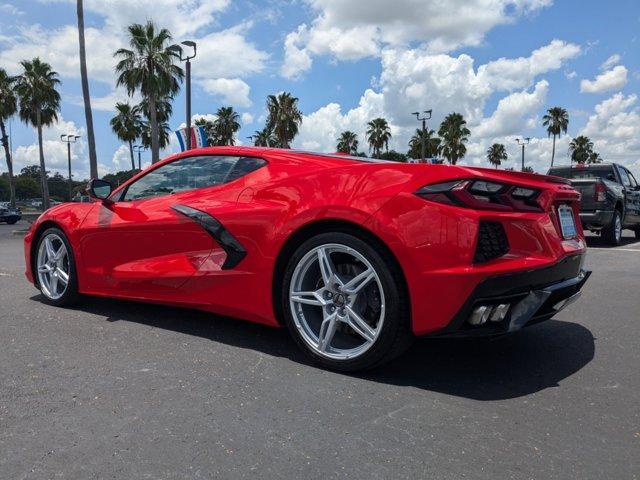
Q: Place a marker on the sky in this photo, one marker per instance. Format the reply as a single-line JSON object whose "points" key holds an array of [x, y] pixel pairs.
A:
{"points": [[501, 63]]}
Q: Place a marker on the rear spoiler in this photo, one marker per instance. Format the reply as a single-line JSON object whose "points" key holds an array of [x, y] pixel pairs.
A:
{"points": [[524, 175]]}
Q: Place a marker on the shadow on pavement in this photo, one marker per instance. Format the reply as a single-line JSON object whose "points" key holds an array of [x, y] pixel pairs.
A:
{"points": [[628, 238], [531, 360]]}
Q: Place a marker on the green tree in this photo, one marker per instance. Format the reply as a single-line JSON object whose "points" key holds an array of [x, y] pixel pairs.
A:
{"points": [[284, 118], [226, 125], [8, 108], [393, 156], [496, 154], [5, 193], [454, 133], [39, 103], [378, 135], [163, 111], [93, 159], [127, 125], [149, 66], [557, 121], [59, 187], [27, 187], [118, 178], [432, 144], [348, 143], [264, 138], [580, 149]]}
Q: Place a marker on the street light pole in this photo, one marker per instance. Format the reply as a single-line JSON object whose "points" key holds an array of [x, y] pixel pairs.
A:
{"points": [[69, 139], [188, 43], [423, 137], [139, 148], [523, 142]]}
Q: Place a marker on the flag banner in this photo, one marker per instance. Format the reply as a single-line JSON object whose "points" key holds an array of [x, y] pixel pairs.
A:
{"points": [[198, 138]]}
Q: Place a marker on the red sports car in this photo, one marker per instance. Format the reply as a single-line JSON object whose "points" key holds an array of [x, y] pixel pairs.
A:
{"points": [[355, 256]]}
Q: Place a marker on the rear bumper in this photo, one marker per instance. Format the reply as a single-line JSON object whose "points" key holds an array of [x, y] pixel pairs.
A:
{"points": [[596, 219], [533, 296]]}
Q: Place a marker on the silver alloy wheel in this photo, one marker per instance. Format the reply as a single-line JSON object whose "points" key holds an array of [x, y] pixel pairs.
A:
{"points": [[618, 227], [338, 309], [53, 266]]}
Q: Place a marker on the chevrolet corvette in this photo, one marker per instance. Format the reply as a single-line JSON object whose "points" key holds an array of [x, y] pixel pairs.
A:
{"points": [[355, 256]]}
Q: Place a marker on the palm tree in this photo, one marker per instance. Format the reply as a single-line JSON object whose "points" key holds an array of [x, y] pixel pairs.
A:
{"points": [[378, 135], [39, 102], [127, 125], [284, 118], [264, 138], [454, 133], [496, 154], [580, 149], [150, 67], [226, 125], [557, 121], [348, 143], [209, 130], [93, 159], [594, 157], [431, 143], [164, 132], [8, 108]]}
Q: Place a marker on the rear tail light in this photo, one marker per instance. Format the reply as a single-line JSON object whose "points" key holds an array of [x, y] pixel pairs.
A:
{"points": [[600, 195], [482, 194]]}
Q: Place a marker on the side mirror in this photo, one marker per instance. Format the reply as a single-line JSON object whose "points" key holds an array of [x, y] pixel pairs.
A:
{"points": [[99, 189]]}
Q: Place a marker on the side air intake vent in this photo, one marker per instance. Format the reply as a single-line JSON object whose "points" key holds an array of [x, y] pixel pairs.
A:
{"points": [[492, 242]]}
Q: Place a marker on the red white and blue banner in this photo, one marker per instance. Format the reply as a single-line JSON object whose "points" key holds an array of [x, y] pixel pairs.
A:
{"points": [[198, 138]]}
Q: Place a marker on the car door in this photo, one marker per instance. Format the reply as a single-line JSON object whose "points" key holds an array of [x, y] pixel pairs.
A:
{"points": [[629, 196], [140, 245], [633, 200]]}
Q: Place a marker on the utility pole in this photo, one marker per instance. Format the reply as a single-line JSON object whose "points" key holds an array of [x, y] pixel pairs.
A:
{"points": [[188, 43], [69, 139], [423, 137], [523, 142]]}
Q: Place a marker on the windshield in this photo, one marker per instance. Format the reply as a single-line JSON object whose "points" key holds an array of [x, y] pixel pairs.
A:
{"points": [[578, 173]]}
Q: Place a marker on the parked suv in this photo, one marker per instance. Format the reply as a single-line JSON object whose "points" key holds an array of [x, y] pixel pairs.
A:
{"points": [[610, 198], [9, 214]]}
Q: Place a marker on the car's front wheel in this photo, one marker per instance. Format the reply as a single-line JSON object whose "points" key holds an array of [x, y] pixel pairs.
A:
{"points": [[344, 302], [55, 268]]}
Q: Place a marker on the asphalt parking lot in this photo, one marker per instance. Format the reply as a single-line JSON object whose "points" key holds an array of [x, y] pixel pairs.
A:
{"points": [[113, 389]]}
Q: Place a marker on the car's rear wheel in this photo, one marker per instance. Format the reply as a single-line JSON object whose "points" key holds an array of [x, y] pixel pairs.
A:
{"points": [[612, 233], [344, 302], [55, 268]]}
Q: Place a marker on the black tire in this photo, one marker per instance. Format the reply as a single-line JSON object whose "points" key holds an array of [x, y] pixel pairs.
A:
{"points": [[394, 337], [609, 232], [12, 222], [71, 294]]}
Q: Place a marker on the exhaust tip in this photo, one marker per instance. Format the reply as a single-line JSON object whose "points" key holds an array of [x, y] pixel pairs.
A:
{"points": [[492, 313]]}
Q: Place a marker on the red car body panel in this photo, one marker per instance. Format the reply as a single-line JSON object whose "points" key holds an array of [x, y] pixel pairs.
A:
{"points": [[144, 250]]}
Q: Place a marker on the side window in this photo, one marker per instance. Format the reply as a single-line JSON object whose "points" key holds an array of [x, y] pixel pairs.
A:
{"points": [[189, 174], [632, 179], [624, 177]]}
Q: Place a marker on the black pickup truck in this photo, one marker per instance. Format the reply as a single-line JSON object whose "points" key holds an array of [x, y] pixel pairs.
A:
{"points": [[610, 198]]}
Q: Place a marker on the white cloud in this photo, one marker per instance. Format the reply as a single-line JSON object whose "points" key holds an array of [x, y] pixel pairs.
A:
{"points": [[570, 75], [8, 9], [228, 54], [613, 79], [122, 158], [321, 128], [610, 62], [349, 30], [507, 74], [513, 114], [59, 48], [615, 128], [55, 151], [247, 118], [231, 90], [181, 17]]}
